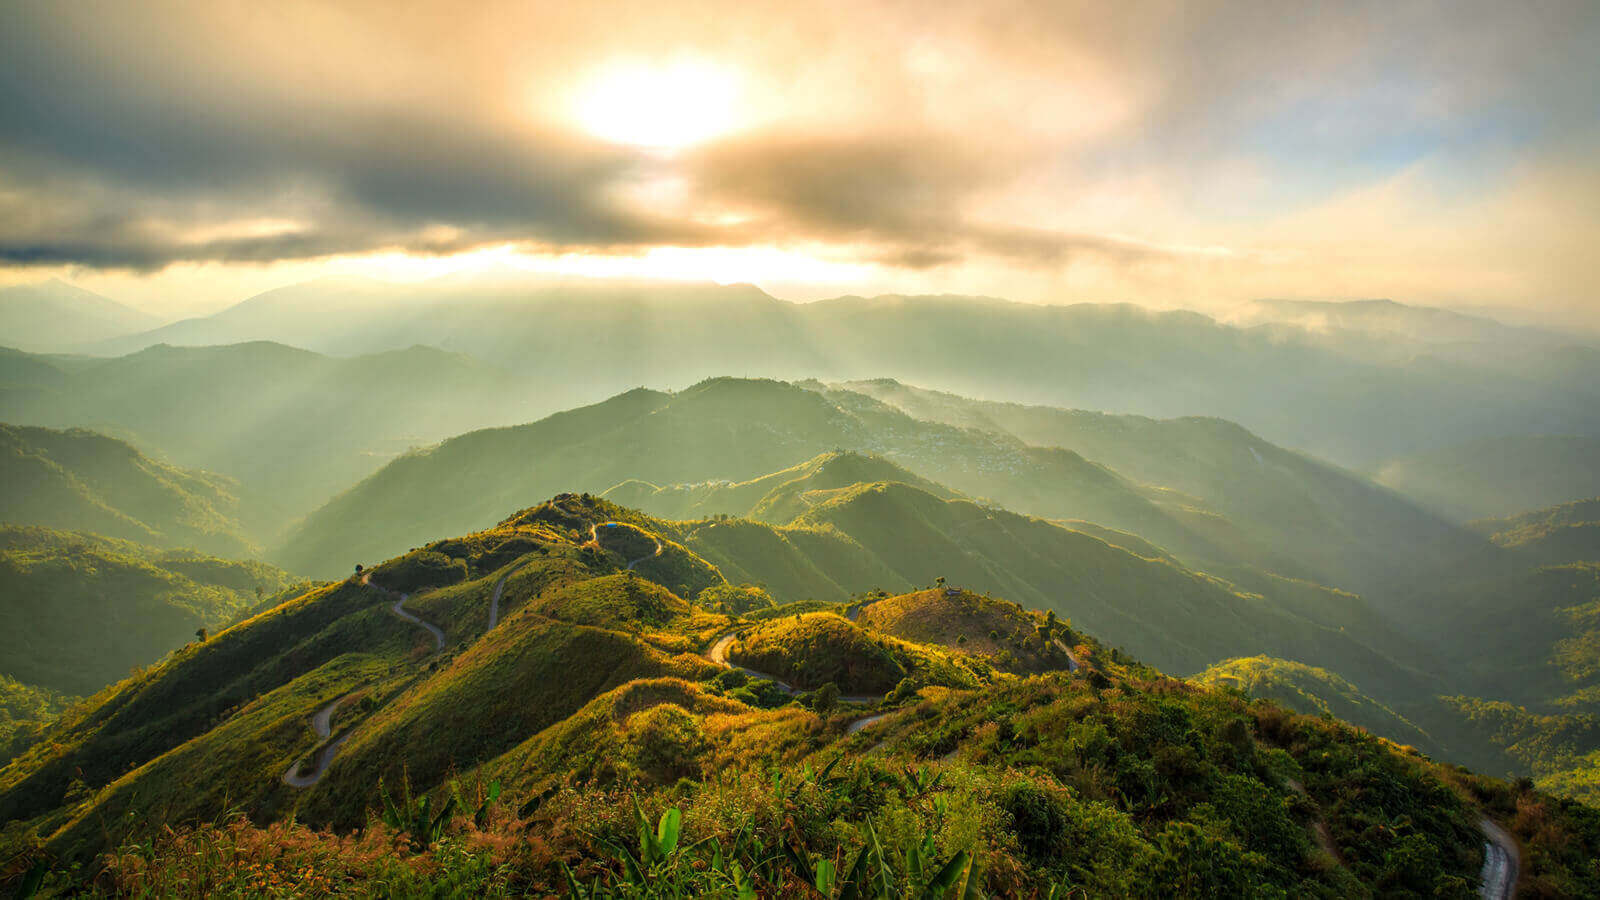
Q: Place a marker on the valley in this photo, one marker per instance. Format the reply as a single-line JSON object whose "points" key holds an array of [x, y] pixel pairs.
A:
{"points": [[749, 572]]}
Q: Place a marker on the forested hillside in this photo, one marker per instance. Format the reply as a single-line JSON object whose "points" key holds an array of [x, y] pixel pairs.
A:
{"points": [[78, 611], [84, 481]]}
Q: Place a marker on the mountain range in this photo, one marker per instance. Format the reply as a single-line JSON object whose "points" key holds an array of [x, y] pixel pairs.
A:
{"points": [[1289, 378], [54, 316], [742, 575], [547, 693]]}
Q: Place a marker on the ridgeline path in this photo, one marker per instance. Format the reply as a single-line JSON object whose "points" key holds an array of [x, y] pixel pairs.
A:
{"points": [[322, 722], [1320, 826], [1501, 863], [500, 586]]}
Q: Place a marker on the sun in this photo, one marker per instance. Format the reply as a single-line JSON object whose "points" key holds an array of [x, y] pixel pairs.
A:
{"points": [[659, 106]]}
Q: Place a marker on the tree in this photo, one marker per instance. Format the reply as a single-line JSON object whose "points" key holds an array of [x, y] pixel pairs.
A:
{"points": [[260, 591], [201, 634], [827, 699]]}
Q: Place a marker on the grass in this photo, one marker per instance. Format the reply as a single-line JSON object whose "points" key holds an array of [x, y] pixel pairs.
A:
{"points": [[1003, 633], [592, 710], [82, 610], [813, 649]]}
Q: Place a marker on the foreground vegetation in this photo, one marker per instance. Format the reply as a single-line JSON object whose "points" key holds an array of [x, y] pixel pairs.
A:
{"points": [[589, 744]]}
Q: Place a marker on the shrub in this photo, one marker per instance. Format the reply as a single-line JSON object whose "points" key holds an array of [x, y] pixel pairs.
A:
{"points": [[1038, 818], [666, 742]]}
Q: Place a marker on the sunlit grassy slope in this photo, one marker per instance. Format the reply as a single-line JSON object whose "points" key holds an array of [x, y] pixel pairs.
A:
{"points": [[996, 630], [1313, 691], [593, 695], [750, 437]]}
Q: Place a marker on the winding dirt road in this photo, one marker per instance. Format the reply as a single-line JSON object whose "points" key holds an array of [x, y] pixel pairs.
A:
{"points": [[499, 587], [1501, 859], [399, 609], [1501, 863], [322, 722], [718, 654]]}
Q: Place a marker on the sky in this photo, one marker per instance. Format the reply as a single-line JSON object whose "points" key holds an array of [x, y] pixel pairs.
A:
{"points": [[184, 156]]}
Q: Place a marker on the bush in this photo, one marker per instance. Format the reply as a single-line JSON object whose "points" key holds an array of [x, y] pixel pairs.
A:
{"points": [[666, 742], [735, 600], [1038, 818]]}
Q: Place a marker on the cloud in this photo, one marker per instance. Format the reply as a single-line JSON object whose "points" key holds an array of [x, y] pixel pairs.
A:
{"points": [[1025, 135]]}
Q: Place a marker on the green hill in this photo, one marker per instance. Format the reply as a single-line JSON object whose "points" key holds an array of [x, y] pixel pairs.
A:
{"points": [[999, 631], [1560, 750], [1314, 691], [1567, 533], [730, 430], [1529, 637], [777, 497], [771, 450], [84, 481], [1126, 599], [79, 611], [566, 699], [25, 711], [812, 649], [1309, 519]]}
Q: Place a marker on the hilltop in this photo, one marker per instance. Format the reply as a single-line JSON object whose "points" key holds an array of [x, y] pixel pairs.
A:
{"points": [[55, 316], [995, 630], [505, 711], [728, 446], [776, 497], [81, 480]]}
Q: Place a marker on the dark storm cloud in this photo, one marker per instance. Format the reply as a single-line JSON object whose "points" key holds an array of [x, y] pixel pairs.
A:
{"points": [[903, 194]]}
